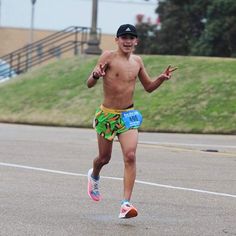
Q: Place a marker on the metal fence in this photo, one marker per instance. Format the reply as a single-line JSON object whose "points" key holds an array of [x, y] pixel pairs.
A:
{"points": [[72, 39]]}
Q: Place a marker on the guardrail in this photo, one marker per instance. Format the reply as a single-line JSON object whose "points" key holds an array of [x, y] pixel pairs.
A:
{"points": [[71, 39]]}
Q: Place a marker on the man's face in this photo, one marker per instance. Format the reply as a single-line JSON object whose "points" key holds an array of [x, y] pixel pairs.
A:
{"points": [[127, 42]]}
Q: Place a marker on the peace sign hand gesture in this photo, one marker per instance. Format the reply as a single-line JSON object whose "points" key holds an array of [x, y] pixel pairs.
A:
{"points": [[167, 73], [100, 70]]}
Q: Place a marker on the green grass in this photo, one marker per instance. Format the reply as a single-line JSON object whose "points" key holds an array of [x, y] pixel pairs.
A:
{"points": [[200, 98]]}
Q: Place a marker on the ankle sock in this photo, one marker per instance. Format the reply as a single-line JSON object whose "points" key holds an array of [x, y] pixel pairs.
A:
{"points": [[125, 201], [96, 178]]}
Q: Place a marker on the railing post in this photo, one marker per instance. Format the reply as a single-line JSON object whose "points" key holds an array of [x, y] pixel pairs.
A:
{"points": [[76, 41], [18, 63], [84, 38], [27, 58], [9, 72]]}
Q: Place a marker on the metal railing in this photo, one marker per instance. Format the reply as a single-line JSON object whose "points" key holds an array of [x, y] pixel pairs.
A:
{"points": [[72, 39]]}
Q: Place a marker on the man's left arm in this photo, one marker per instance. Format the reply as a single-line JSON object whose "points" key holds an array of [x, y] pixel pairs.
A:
{"points": [[151, 85]]}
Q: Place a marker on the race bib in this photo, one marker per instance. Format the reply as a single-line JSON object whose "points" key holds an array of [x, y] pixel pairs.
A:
{"points": [[132, 118]]}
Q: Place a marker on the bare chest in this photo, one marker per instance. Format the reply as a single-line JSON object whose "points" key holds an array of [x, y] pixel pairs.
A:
{"points": [[125, 71]]}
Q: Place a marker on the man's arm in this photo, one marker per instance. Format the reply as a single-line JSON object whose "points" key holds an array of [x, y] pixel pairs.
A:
{"points": [[151, 85], [99, 70]]}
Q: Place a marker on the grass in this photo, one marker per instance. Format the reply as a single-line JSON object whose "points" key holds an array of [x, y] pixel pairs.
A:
{"points": [[200, 98]]}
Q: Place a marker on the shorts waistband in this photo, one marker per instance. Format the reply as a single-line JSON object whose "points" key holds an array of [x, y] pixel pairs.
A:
{"points": [[114, 111]]}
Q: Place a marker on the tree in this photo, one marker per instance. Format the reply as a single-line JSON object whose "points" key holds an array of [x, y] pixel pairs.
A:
{"points": [[219, 35], [181, 25], [146, 35], [192, 27]]}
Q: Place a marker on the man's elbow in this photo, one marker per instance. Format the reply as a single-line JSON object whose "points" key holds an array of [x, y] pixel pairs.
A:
{"points": [[149, 89], [89, 85]]}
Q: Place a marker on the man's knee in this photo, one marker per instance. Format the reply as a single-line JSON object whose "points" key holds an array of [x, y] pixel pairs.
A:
{"points": [[130, 157], [104, 159]]}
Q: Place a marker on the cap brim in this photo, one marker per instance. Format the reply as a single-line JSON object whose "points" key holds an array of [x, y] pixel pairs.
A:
{"points": [[127, 33]]}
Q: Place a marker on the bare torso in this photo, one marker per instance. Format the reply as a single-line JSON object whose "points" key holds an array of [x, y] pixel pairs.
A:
{"points": [[120, 79]]}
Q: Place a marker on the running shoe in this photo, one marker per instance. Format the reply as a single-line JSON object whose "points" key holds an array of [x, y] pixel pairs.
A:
{"points": [[127, 211], [93, 191]]}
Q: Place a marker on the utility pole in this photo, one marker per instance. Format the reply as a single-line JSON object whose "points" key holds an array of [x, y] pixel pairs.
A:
{"points": [[32, 22], [93, 43], [31, 38], [0, 13]]}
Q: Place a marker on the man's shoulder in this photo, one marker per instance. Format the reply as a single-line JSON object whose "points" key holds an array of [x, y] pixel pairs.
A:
{"points": [[108, 53], [137, 58]]}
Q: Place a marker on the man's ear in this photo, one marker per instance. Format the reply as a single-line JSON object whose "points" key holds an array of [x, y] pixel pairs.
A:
{"points": [[137, 42]]}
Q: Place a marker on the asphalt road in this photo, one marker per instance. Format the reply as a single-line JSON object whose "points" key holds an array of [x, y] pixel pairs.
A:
{"points": [[186, 184]]}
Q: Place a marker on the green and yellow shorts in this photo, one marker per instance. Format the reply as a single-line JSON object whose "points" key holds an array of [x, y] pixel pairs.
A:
{"points": [[109, 122]]}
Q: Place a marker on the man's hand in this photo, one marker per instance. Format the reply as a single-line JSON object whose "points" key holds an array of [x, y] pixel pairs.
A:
{"points": [[100, 70], [167, 73]]}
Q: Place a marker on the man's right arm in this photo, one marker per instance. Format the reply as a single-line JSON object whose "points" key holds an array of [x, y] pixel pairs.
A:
{"points": [[99, 70], [92, 79]]}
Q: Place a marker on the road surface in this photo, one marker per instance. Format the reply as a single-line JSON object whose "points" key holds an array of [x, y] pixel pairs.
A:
{"points": [[186, 184]]}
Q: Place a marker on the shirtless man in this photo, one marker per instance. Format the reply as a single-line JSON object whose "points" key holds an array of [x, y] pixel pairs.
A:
{"points": [[116, 116]]}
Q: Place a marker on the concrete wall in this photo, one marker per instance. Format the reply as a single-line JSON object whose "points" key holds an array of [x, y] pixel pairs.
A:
{"points": [[14, 38]]}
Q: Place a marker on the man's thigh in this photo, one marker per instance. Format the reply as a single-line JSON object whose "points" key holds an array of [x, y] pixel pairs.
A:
{"points": [[104, 146], [128, 140]]}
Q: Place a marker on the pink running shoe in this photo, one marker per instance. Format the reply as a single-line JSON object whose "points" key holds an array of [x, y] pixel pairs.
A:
{"points": [[127, 211], [93, 191]]}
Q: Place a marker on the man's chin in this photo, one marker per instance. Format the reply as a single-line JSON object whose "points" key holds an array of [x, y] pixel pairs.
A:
{"points": [[128, 49]]}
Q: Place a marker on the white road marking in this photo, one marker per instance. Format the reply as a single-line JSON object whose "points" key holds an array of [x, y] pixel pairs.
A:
{"points": [[187, 144], [189, 149], [116, 178]]}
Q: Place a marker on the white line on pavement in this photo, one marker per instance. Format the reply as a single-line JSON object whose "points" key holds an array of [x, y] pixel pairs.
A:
{"points": [[116, 178], [188, 144]]}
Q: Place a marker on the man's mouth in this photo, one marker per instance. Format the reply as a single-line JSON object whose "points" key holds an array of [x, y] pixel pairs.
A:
{"points": [[127, 46]]}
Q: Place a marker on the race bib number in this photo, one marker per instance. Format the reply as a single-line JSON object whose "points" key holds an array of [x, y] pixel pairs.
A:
{"points": [[132, 118]]}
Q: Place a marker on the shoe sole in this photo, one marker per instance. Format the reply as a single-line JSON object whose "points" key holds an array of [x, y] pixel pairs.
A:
{"points": [[130, 214]]}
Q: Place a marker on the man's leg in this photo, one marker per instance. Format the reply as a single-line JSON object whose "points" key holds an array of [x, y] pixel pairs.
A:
{"points": [[128, 142], [104, 156]]}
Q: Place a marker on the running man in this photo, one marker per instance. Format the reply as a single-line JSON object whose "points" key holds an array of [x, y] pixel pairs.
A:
{"points": [[116, 115]]}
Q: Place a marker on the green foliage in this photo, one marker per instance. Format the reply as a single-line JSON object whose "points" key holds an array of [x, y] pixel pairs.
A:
{"points": [[200, 98], [146, 38], [194, 27], [219, 36]]}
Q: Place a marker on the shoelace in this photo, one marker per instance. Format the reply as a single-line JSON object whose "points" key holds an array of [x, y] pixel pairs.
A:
{"points": [[95, 188]]}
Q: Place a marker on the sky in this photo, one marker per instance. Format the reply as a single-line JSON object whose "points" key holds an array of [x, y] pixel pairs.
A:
{"points": [[60, 14]]}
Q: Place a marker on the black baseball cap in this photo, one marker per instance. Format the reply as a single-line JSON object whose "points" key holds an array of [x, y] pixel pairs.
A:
{"points": [[126, 29]]}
